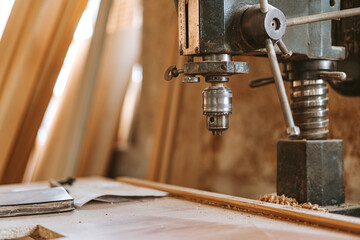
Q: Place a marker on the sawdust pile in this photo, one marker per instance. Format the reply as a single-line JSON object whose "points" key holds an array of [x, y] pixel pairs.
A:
{"points": [[274, 198]]}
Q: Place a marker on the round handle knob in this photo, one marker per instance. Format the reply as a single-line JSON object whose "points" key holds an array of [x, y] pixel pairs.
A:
{"points": [[172, 72]]}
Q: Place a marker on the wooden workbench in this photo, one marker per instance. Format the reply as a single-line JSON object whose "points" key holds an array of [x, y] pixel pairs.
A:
{"points": [[168, 218]]}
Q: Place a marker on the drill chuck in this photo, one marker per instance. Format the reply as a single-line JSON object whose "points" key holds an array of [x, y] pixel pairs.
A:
{"points": [[217, 106]]}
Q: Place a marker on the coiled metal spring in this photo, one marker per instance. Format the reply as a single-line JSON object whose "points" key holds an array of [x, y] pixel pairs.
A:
{"points": [[309, 106]]}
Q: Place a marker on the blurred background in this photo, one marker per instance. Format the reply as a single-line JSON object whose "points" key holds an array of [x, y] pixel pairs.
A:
{"points": [[82, 94]]}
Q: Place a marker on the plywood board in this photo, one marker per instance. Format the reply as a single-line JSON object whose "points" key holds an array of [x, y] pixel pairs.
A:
{"points": [[166, 218], [297, 214]]}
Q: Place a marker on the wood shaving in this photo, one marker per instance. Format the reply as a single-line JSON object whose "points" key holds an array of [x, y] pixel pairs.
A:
{"points": [[274, 198]]}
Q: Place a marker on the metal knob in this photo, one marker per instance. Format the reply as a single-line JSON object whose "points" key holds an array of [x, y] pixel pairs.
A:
{"points": [[172, 72]]}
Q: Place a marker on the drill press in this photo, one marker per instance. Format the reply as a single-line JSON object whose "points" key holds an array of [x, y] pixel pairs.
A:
{"points": [[310, 167]]}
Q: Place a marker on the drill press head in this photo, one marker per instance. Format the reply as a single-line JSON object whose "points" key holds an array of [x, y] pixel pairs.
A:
{"points": [[214, 31]]}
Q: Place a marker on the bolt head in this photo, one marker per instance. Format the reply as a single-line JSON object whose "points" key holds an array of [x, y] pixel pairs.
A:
{"points": [[293, 132], [288, 54]]}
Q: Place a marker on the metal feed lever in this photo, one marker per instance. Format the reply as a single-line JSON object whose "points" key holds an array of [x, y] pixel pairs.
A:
{"points": [[293, 131]]}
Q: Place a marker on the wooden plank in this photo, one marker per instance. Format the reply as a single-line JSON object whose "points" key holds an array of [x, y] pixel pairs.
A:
{"points": [[84, 100], [12, 36], [22, 76], [308, 216], [167, 118], [159, 28], [50, 160], [114, 75], [64, 148], [155, 161], [47, 76], [171, 128]]}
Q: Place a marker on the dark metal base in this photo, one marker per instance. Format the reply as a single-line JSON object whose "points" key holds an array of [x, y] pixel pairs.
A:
{"points": [[353, 211], [311, 171]]}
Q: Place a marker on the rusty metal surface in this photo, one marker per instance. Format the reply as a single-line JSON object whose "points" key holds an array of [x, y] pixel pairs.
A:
{"points": [[311, 171], [345, 209], [346, 32], [220, 26], [216, 68]]}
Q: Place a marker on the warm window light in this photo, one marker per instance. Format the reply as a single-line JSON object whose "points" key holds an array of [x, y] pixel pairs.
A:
{"points": [[83, 31], [87, 21], [65, 71], [137, 73], [85, 28], [129, 106], [5, 10]]}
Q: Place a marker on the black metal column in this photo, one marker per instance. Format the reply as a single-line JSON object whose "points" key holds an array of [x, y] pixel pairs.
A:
{"points": [[311, 171]]}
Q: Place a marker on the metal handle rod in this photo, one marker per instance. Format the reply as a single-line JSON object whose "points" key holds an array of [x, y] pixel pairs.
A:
{"points": [[285, 51], [292, 130], [323, 17], [264, 6]]}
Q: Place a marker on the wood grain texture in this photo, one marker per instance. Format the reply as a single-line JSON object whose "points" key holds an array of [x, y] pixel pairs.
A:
{"points": [[115, 73], [11, 37], [157, 45], [308, 216], [41, 94], [167, 119], [164, 218], [49, 162], [26, 64], [344, 115], [86, 96], [63, 154], [121, 52]]}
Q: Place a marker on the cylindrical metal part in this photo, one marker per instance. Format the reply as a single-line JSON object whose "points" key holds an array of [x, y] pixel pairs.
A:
{"points": [[216, 79], [217, 106], [323, 17], [190, 79], [309, 108], [286, 53], [256, 26], [217, 57], [292, 131], [217, 123], [309, 97], [217, 99], [264, 6]]}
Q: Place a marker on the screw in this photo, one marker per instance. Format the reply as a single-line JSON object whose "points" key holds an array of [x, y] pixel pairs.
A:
{"points": [[293, 132]]}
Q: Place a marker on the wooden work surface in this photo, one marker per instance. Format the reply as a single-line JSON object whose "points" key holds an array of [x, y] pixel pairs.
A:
{"points": [[168, 218]]}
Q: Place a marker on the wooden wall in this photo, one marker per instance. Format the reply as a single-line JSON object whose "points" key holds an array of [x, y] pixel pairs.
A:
{"points": [[242, 161], [158, 31]]}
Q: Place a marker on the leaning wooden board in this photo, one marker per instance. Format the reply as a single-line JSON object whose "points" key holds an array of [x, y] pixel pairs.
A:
{"points": [[168, 218]]}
